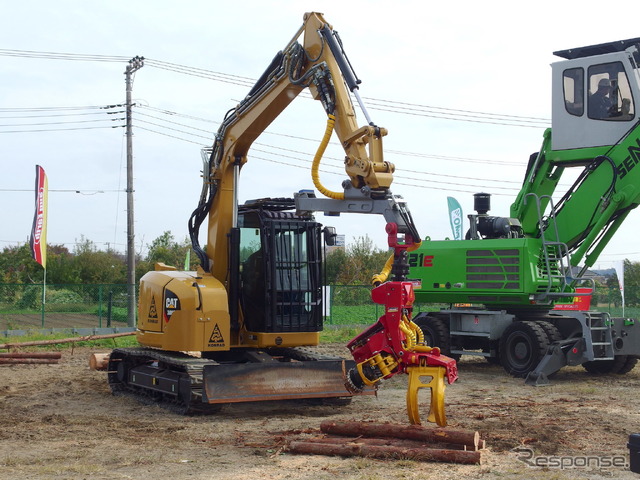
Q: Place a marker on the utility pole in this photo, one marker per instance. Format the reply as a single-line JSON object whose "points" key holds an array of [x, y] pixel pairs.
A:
{"points": [[135, 64]]}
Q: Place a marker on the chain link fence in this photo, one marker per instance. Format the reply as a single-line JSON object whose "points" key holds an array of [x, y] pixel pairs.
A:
{"points": [[73, 306], [78, 306]]}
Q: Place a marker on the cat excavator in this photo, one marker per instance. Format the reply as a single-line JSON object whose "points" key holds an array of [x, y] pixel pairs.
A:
{"points": [[236, 330]]}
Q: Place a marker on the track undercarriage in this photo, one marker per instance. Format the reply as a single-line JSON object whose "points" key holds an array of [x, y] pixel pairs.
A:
{"points": [[190, 384]]}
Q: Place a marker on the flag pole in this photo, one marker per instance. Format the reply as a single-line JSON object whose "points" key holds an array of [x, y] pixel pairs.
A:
{"points": [[44, 292]]}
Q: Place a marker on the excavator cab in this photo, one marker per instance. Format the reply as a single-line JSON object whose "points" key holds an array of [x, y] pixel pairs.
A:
{"points": [[280, 258], [595, 91]]}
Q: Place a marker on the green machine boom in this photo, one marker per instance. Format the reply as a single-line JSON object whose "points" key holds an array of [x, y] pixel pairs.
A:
{"points": [[510, 272]]}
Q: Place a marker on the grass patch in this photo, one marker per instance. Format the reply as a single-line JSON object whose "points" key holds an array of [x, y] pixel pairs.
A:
{"points": [[340, 334], [128, 341]]}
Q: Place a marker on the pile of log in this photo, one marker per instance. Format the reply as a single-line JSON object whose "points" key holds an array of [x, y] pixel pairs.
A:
{"points": [[13, 358], [393, 441]]}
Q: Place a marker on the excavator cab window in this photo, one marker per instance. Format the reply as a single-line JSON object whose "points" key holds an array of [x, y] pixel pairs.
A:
{"points": [[609, 93], [573, 85]]}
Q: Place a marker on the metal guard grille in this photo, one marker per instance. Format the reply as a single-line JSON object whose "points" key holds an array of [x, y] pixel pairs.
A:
{"points": [[497, 269]]}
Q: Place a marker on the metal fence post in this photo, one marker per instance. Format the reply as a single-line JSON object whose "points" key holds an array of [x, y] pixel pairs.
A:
{"points": [[110, 302], [99, 306]]}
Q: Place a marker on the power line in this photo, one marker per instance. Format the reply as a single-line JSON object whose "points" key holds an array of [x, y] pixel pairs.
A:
{"points": [[299, 154], [406, 108], [60, 123], [315, 140], [62, 56], [56, 115], [59, 129], [77, 107], [109, 114], [73, 190]]}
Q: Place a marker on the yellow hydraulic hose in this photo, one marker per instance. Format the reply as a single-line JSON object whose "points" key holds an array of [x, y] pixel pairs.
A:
{"points": [[315, 174], [381, 277], [410, 336]]}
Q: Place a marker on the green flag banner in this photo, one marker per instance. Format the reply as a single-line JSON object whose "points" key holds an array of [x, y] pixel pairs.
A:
{"points": [[455, 217]]}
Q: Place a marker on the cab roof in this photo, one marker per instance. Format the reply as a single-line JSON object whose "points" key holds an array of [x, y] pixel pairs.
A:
{"points": [[589, 51]]}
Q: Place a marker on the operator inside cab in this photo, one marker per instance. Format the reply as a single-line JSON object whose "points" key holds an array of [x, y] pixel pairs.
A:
{"points": [[609, 101]]}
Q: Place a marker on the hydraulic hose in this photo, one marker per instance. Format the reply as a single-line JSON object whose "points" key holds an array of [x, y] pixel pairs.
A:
{"points": [[381, 277], [315, 167]]}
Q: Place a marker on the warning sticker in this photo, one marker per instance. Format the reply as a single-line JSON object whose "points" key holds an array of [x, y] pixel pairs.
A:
{"points": [[216, 339], [152, 316]]}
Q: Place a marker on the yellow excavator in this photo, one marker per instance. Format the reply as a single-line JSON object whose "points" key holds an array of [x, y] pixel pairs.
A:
{"points": [[236, 330]]}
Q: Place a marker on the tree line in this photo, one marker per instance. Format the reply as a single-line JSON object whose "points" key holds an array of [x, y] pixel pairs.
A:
{"points": [[354, 265], [87, 264]]}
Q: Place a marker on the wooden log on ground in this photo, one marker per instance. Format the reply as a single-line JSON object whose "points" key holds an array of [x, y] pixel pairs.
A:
{"points": [[54, 355], [99, 361], [40, 361], [374, 451], [86, 338], [396, 442], [410, 432]]}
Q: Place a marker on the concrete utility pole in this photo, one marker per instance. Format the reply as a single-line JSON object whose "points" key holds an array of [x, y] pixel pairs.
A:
{"points": [[135, 64]]}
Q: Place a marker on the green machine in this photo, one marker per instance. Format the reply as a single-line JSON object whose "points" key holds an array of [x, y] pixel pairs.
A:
{"points": [[512, 280]]}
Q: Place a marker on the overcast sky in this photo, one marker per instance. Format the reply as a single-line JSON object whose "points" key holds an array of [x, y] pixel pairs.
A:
{"points": [[466, 85]]}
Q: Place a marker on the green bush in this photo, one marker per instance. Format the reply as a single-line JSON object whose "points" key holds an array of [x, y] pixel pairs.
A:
{"points": [[63, 296], [31, 298], [118, 314]]}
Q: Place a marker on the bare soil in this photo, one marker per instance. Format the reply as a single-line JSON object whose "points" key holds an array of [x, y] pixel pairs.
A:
{"points": [[62, 422]]}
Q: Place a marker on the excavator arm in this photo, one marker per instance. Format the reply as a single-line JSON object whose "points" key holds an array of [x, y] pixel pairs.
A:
{"points": [[315, 59], [589, 212], [319, 64]]}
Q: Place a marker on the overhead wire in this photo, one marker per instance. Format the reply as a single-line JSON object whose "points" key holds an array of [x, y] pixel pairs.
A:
{"points": [[386, 105], [62, 56], [29, 118], [392, 106]]}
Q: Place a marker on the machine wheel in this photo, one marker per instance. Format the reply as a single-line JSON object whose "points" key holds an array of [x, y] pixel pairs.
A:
{"points": [[552, 332], [621, 364], [522, 346], [436, 333], [493, 360]]}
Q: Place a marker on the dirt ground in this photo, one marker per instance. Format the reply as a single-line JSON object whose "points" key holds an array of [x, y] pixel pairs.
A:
{"points": [[61, 422]]}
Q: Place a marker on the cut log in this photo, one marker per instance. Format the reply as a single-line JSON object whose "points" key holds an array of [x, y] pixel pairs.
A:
{"points": [[410, 432], [54, 355], [374, 451], [99, 361], [395, 442], [86, 338], [14, 361]]}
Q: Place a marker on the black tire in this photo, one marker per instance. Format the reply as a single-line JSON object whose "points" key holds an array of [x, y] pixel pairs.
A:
{"points": [[629, 365], [619, 365], [522, 346], [436, 333], [552, 332], [493, 360]]}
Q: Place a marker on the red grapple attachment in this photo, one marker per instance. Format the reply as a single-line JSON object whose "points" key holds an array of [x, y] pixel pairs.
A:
{"points": [[394, 344]]}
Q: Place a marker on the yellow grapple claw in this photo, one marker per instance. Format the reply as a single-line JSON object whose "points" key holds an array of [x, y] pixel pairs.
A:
{"points": [[436, 384]]}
